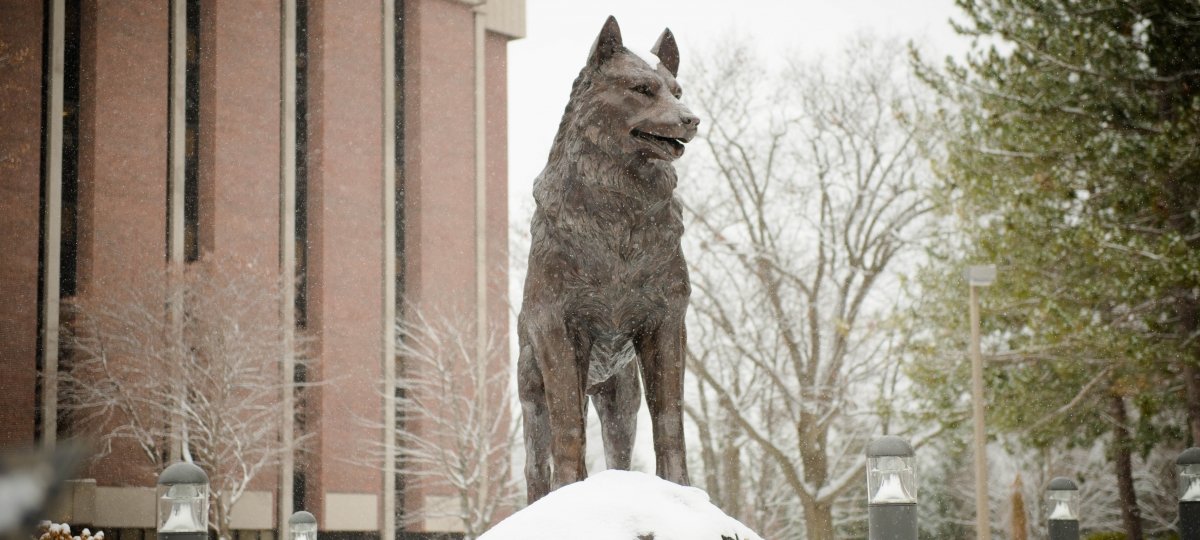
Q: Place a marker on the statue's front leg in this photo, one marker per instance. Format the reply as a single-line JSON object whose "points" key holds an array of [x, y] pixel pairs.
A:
{"points": [[556, 360], [662, 359], [536, 422]]}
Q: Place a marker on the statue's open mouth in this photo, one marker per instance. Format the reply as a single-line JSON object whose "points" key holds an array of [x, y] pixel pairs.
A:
{"points": [[671, 146]]}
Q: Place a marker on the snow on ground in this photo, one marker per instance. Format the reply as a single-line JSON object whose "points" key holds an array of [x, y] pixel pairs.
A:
{"points": [[621, 505]]}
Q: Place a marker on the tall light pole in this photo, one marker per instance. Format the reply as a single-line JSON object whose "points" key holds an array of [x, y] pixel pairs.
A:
{"points": [[979, 276]]}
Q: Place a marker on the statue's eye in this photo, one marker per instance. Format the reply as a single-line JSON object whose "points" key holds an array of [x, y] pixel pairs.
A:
{"points": [[643, 89]]}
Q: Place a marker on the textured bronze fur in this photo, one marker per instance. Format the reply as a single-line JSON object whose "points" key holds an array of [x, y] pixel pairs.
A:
{"points": [[607, 279]]}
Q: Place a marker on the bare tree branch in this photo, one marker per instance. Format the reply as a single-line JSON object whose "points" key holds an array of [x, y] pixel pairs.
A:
{"points": [[814, 197], [456, 429], [132, 373]]}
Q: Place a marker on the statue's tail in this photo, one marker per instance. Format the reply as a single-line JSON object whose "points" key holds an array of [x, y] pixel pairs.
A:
{"points": [[611, 352]]}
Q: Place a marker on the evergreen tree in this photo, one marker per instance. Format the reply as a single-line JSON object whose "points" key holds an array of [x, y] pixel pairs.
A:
{"points": [[1075, 167]]}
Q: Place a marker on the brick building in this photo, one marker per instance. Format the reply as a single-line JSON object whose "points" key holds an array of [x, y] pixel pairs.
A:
{"points": [[358, 145]]}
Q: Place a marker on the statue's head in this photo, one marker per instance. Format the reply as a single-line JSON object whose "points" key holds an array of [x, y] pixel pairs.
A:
{"points": [[626, 107]]}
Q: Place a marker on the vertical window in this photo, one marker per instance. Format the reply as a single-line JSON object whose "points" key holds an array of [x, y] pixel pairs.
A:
{"points": [[191, 174], [57, 198], [69, 242], [69, 239], [398, 81], [299, 477], [301, 164]]}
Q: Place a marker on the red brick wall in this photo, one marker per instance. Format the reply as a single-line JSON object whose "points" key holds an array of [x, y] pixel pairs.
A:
{"points": [[497, 182], [20, 185], [496, 54], [123, 140], [440, 154], [439, 169], [345, 239], [122, 163], [239, 130], [123, 187], [239, 156]]}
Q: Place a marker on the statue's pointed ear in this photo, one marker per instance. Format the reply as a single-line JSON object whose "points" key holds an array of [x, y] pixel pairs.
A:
{"points": [[607, 43], [667, 52]]}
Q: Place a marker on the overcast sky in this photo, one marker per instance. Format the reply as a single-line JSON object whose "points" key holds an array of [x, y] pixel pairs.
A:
{"points": [[560, 32]]}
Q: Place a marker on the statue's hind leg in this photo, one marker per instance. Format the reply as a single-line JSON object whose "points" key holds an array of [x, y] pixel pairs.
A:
{"points": [[536, 419], [617, 402]]}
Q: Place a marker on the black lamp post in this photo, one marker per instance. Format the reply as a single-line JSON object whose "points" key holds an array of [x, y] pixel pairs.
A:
{"points": [[891, 490], [1063, 521], [1188, 465], [183, 503]]}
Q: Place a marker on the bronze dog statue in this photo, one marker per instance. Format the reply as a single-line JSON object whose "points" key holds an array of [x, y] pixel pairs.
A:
{"points": [[607, 287]]}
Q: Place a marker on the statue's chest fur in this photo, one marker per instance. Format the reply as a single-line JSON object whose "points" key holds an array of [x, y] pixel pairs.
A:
{"points": [[613, 261]]}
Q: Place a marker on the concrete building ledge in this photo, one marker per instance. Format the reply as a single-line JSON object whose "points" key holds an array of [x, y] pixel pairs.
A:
{"points": [[255, 510], [83, 502], [506, 17], [125, 507], [351, 512], [444, 510], [76, 503]]}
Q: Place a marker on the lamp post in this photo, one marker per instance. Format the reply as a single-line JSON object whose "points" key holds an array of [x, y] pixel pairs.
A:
{"points": [[1188, 465], [303, 525], [183, 503], [979, 276], [1063, 521], [891, 490]]}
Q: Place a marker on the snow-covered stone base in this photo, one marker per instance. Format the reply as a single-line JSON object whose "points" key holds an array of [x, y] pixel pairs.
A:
{"points": [[622, 505]]}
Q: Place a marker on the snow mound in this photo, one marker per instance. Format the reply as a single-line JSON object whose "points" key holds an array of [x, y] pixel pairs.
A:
{"points": [[622, 505]]}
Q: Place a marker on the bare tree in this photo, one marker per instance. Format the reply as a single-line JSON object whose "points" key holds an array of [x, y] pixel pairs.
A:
{"points": [[1154, 479], [457, 430], [207, 380], [802, 197]]}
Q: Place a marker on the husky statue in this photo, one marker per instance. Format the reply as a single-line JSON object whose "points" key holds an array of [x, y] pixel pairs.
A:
{"points": [[607, 286]]}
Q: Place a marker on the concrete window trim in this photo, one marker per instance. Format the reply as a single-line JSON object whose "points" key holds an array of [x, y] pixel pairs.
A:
{"points": [[506, 17], [52, 221], [443, 512], [134, 507], [76, 503], [253, 511], [351, 512], [125, 507]]}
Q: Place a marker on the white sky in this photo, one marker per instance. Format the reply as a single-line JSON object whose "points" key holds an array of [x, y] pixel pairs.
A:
{"points": [[560, 32]]}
